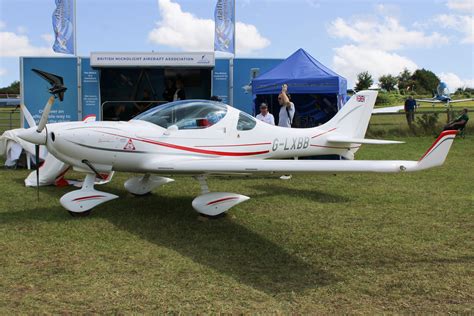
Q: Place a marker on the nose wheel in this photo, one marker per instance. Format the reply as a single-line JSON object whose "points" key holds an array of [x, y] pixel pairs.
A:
{"points": [[82, 214]]}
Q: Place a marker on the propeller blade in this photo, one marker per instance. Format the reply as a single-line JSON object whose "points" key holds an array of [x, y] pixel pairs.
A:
{"points": [[44, 116], [37, 152], [28, 117]]}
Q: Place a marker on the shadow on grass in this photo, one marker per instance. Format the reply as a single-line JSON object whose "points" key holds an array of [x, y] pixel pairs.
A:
{"points": [[314, 195], [222, 245]]}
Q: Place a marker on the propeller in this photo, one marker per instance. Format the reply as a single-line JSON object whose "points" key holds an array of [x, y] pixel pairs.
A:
{"points": [[39, 137], [37, 161], [44, 116], [39, 129]]}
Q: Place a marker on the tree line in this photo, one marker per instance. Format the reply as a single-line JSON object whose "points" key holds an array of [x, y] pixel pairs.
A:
{"points": [[421, 82], [13, 88]]}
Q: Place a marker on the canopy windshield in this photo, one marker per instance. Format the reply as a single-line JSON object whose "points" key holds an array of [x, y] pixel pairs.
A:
{"points": [[190, 114]]}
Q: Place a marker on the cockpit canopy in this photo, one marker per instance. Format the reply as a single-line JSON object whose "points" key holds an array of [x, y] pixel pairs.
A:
{"points": [[189, 114]]}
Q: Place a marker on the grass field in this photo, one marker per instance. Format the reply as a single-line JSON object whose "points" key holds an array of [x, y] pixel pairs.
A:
{"points": [[355, 243]]}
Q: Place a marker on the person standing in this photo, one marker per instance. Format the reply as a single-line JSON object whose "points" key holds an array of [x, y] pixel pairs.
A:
{"points": [[169, 91], [264, 115], [179, 93], [410, 105], [287, 108], [286, 115]]}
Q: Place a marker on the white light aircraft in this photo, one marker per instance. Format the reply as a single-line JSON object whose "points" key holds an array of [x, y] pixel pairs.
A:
{"points": [[203, 138], [443, 96]]}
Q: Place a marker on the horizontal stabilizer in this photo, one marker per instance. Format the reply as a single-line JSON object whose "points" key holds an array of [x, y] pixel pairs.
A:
{"points": [[349, 140]]}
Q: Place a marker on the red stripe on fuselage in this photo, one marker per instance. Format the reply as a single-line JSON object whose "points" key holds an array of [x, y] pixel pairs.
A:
{"points": [[238, 145], [195, 150], [332, 129]]}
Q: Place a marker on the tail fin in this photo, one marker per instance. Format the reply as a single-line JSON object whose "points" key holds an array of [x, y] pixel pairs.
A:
{"points": [[353, 119], [437, 153]]}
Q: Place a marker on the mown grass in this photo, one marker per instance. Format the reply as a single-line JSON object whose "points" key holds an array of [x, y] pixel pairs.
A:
{"points": [[355, 243]]}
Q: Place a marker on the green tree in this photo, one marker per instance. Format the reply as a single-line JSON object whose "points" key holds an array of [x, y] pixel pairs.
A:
{"points": [[13, 88], [364, 81], [388, 82], [425, 81], [405, 83]]}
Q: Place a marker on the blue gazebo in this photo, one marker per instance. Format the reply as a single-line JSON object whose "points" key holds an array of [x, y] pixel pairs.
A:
{"points": [[303, 74], [306, 76]]}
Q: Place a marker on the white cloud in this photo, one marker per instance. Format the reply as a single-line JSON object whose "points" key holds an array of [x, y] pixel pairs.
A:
{"points": [[185, 31], [461, 5], [461, 23], [386, 34], [21, 29], [351, 60], [314, 3], [15, 45], [48, 38], [248, 38], [388, 10], [3, 72], [454, 82]]}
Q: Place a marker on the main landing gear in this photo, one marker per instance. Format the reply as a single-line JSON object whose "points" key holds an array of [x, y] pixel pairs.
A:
{"points": [[80, 202], [143, 185], [215, 203]]}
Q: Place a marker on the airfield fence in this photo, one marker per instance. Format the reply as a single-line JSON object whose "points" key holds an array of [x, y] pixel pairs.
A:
{"points": [[9, 118], [382, 124]]}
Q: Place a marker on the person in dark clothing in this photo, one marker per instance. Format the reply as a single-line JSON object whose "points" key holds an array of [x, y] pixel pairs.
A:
{"points": [[458, 123], [169, 91], [410, 105], [143, 104], [179, 94]]}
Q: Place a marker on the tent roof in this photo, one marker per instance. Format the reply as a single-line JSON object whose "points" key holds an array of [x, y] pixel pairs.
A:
{"points": [[303, 74]]}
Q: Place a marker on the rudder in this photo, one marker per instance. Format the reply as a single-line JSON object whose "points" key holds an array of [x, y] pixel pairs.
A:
{"points": [[353, 119]]}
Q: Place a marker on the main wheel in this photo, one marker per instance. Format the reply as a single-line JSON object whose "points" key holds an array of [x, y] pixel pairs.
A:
{"points": [[144, 194], [81, 214]]}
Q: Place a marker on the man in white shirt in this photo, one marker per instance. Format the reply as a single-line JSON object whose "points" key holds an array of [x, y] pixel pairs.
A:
{"points": [[264, 115], [287, 109]]}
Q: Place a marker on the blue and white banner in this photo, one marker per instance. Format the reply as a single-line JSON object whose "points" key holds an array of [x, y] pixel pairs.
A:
{"points": [[63, 26], [224, 18]]}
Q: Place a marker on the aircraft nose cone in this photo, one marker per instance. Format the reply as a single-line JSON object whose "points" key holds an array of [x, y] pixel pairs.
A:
{"points": [[31, 135]]}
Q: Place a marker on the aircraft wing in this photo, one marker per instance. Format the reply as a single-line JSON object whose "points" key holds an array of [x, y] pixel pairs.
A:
{"points": [[462, 100], [389, 109], [434, 156], [429, 100]]}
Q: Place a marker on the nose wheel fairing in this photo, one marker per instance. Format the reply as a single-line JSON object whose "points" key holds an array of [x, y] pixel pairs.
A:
{"points": [[85, 199]]}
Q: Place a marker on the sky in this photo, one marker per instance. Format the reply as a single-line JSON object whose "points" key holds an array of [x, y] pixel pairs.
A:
{"points": [[382, 37]]}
